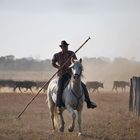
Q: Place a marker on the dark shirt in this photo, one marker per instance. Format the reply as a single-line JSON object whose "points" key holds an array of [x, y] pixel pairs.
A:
{"points": [[60, 58]]}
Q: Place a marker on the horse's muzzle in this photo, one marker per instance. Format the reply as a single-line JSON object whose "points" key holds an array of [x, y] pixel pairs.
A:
{"points": [[76, 76]]}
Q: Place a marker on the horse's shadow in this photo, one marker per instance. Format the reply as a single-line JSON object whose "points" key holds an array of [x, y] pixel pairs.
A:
{"points": [[71, 135]]}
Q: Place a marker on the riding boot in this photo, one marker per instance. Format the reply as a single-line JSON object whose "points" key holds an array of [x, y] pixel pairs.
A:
{"points": [[90, 104]]}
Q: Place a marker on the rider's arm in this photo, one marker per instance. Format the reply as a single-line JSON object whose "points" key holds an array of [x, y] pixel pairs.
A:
{"points": [[54, 62], [55, 65]]}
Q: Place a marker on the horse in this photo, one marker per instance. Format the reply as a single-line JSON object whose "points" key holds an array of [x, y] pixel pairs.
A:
{"points": [[73, 99]]}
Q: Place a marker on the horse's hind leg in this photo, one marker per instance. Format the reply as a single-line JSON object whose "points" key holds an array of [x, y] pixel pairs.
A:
{"points": [[51, 108], [52, 117]]}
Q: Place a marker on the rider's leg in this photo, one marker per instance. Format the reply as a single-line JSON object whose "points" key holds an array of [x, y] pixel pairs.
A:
{"points": [[61, 81], [59, 91], [90, 104]]}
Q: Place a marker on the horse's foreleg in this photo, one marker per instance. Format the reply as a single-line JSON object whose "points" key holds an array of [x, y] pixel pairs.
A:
{"points": [[79, 120], [73, 114]]}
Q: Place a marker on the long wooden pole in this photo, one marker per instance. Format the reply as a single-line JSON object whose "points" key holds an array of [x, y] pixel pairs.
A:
{"points": [[51, 78]]}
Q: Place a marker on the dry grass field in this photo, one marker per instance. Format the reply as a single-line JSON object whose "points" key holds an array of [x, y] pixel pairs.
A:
{"points": [[111, 120]]}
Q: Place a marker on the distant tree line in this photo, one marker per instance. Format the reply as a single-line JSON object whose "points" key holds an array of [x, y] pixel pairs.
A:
{"points": [[101, 68], [9, 62]]}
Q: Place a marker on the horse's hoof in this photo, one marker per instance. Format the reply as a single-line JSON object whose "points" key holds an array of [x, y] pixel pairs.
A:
{"points": [[61, 129], [70, 129]]}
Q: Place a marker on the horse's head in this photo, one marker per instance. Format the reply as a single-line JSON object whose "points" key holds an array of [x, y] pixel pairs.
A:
{"points": [[77, 68]]}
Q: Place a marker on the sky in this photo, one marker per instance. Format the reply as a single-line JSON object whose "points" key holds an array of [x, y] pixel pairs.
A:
{"points": [[35, 28]]}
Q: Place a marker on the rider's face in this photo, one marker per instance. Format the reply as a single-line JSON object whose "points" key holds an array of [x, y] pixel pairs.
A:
{"points": [[64, 48]]}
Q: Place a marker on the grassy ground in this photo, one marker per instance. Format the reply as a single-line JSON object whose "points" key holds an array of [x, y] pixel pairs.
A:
{"points": [[111, 120]]}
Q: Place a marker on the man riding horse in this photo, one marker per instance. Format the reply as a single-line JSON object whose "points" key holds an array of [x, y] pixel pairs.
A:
{"points": [[64, 74]]}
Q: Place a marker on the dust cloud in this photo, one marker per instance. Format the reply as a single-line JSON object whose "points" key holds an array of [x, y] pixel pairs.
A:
{"points": [[107, 71], [95, 69]]}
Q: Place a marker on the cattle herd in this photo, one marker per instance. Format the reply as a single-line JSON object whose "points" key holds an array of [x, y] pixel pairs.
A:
{"points": [[24, 86]]}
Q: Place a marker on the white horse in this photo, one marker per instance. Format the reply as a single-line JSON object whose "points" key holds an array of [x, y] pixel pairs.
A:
{"points": [[73, 98]]}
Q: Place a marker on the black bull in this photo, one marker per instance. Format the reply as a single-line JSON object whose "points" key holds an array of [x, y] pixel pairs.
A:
{"points": [[25, 84]]}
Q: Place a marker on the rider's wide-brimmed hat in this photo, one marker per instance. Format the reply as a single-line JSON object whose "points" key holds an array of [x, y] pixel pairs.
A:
{"points": [[63, 43]]}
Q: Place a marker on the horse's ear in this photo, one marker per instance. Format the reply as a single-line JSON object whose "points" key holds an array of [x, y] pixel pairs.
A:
{"points": [[72, 60], [71, 66], [80, 60]]}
